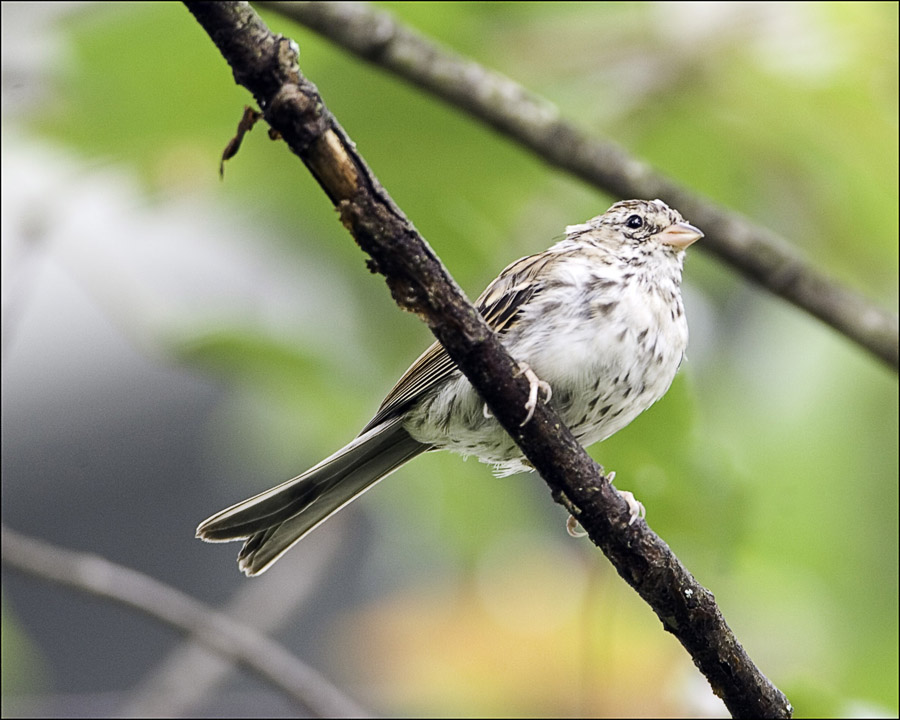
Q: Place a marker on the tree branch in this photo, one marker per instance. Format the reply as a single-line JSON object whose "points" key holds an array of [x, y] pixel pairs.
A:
{"points": [[190, 672], [267, 65], [221, 634], [534, 122]]}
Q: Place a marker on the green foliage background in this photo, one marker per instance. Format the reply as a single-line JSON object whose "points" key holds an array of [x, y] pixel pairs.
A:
{"points": [[770, 467]]}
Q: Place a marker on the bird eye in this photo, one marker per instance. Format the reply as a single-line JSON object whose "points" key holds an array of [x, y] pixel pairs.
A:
{"points": [[634, 222]]}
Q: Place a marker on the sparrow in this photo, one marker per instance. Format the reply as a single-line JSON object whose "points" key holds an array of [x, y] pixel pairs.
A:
{"points": [[597, 324]]}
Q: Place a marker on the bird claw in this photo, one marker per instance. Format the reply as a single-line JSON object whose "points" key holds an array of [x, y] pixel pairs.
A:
{"points": [[574, 529], [536, 384], [636, 508]]}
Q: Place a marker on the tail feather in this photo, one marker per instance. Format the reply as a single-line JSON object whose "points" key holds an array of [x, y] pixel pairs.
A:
{"points": [[273, 521]]}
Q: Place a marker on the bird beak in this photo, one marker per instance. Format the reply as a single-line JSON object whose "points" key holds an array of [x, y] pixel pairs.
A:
{"points": [[679, 235]]}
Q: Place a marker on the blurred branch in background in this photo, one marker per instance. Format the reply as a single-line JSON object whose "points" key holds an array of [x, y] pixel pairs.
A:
{"points": [[92, 574], [266, 64], [756, 252], [192, 671]]}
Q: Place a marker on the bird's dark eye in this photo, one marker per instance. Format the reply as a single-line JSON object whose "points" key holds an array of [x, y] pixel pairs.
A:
{"points": [[634, 222]]}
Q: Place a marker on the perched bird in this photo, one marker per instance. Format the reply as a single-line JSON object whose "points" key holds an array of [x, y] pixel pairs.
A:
{"points": [[598, 326]]}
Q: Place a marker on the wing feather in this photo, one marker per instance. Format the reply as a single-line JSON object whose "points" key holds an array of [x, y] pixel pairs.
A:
{"points": [[499, 304]]}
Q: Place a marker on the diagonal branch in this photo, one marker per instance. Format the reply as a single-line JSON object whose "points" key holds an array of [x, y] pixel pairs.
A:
{"points": [[534, 122], [221, 634], [267, 65]]}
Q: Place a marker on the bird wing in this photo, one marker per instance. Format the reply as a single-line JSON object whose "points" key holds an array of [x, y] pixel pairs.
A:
{"points": [[499, 304]]}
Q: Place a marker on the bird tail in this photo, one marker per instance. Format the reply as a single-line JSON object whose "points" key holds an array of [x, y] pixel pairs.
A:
{"points": [[273, 521]]}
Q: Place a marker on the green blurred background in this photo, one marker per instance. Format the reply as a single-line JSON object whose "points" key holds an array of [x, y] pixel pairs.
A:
{"points": [[770, 467]]}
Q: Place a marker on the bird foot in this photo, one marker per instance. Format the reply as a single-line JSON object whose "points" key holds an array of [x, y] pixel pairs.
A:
{"points": [[535, 385], [574, 529], [636, 508]]}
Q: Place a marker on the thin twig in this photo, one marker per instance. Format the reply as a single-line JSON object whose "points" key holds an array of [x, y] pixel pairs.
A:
{"points": [[97, 576], [266, 64], [190, 673], [534, 122]]}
